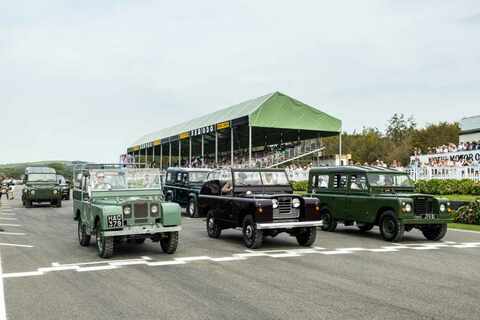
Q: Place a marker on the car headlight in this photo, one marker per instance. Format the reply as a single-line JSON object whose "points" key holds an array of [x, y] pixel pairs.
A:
{"points": [[296, 202], [407, 207], [443, 207], [274, 203], [32, 191], [55, 191], [154, 208], [127, 210]]}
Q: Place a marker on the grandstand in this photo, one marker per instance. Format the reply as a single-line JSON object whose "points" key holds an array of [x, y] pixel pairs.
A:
{"points": [[268, 131]]}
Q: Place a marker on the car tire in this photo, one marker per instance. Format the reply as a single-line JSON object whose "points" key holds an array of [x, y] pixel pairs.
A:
{"points": [[252, 237], [28, 204], [364, 227], [192, 208], [434, 232], [59, 204], [170, 242], [140, 241], [307, 236], [213, 229], [329, 223], [390, 228], [83, 237], [104, 244]]}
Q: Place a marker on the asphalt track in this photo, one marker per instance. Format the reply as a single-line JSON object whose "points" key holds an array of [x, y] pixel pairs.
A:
{"points": [[45, 274]]}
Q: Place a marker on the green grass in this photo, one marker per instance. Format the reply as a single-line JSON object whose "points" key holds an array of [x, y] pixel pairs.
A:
{"points": [[459, 197], [471, 227]]}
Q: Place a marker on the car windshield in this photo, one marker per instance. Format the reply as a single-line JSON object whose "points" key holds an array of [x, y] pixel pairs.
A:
{"points": [[245, 178], [42, 177], [197, 176], [389, 180], [274, 178], [105, 180]]}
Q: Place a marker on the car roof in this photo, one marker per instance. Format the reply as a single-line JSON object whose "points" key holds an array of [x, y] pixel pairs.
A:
{"points": [[258, 170], [353, 169], [30, 170]]}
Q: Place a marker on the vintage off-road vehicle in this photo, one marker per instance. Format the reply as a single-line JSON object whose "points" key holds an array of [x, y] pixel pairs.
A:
{"points": [[182, 185], [261, 202], [118, 204], [370, 196], [41, 186], [64, 187]]}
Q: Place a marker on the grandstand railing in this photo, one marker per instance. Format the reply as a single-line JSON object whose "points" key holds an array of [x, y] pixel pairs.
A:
{"points": [[442, 173], [277, 158]]}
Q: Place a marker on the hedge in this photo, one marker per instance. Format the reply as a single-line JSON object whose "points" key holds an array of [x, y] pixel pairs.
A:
{"points": [[300, 186], [469, 214], [449, 186]]}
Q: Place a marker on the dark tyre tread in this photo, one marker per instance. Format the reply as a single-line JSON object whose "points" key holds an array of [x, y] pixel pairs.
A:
{"points": [[169, 244], [307, 237], [83, 237], [329, 223], [398, 229], [105, 250], [213, 229], [435, 232], [252, 237], [195, 210]]}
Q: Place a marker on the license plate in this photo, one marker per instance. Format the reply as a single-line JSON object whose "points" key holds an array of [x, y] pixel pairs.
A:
{"points": [[429, 216], [114, 221]]}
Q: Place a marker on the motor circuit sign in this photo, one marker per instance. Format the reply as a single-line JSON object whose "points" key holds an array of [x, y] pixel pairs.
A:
{"points": [[453, 156], [203, 130]]}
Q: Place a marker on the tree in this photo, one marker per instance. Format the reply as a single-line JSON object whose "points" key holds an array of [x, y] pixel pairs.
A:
{"points": [[399, 127]]}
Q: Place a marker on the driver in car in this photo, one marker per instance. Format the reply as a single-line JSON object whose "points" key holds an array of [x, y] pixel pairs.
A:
{"points": [[100, 183]]}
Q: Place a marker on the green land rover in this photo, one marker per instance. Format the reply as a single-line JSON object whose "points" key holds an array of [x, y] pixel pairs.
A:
{"points": [[369, 196], [118, 204], [41, 186]]}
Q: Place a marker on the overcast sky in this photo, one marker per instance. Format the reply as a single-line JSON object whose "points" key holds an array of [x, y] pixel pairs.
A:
{"points": [[81, 80]]}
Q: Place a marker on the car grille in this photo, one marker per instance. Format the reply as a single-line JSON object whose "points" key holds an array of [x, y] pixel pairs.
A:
{"points": [[422, 206], [285, 210], [140, 210]]}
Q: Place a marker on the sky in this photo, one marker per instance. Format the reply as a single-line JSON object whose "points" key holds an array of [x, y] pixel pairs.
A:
{"points": [[82, 80]]}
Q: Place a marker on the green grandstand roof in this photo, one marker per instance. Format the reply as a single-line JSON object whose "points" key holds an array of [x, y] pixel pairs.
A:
{"points": [[275, 110]]}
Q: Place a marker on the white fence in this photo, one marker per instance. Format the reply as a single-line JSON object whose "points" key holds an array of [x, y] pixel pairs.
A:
{"points": [[428, 172]]}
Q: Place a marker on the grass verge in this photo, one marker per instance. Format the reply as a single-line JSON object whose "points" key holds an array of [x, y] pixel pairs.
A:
{"points": [[470, 227]]}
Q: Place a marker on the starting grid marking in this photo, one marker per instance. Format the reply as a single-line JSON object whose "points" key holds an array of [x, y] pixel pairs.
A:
{"points": [[147, 261]]}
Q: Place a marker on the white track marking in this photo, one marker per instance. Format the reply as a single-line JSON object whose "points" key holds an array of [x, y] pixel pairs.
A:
{"points": [[3, 311], [8, 218], [9, 225], [15, 245], [248, 254], [12, 233]]}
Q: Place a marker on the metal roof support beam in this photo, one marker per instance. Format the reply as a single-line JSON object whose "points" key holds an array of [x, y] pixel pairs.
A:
{"points": [[146, 157], [190, 151], [161, 156], [153, 156], [216, 148], [249, 145], [203, 152], [340, 148], [169, 154], [231, 146], [179, 153]]}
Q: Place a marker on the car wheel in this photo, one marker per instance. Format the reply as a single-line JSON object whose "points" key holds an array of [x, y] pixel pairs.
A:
{"points": [[329, 223], [434, 232], [170, 242], [252, 237], [28, 204], [104, 244], [213, 229], [140, 241], [390, 228], [364, 227], [307, 236], [59, 204], [83, 237], [192, 208]]}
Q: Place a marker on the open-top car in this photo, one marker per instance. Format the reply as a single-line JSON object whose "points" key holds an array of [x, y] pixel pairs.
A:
{"points": [[182, 185], [369, 196], [118, 204], [261, 202], [41, 186]]}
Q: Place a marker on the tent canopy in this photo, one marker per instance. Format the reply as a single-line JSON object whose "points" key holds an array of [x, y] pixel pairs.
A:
{"points": [[275, 111]]}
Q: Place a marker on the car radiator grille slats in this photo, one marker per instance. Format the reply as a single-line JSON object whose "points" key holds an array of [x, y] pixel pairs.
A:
{"points": [[422, 206], [140, 210], [285, 209]]}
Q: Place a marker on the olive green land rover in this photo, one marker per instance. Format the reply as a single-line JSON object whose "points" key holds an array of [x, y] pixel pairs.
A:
{"points": [[374, 196], [41, 186], [119, 204]]}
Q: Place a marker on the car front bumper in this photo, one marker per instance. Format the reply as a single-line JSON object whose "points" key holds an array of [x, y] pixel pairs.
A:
{"points": [[289, 225], [420, 221], [134, 230]]}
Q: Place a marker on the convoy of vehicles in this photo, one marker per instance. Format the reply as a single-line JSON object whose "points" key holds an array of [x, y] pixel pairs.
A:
{"points": [[260, 202], [41, 186], [182, 185], [64, 186], [374, 196], [118, 204]]}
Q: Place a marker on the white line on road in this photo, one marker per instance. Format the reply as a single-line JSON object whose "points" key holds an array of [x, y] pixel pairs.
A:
{"points": [[9, 225], [8, 218], [12, 233], [3, 311], [15, 245]]}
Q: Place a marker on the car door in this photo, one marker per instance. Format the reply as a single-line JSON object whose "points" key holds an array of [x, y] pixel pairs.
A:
{"points": [[357, 198], [86, 202], [338, 195]]}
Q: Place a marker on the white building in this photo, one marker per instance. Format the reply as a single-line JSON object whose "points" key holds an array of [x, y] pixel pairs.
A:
{"points": [[470, 129]]}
